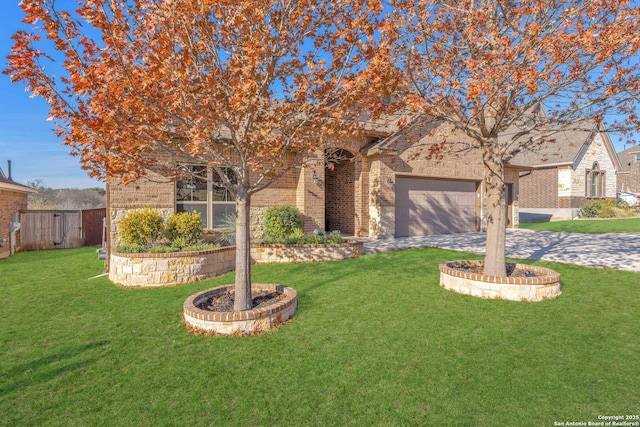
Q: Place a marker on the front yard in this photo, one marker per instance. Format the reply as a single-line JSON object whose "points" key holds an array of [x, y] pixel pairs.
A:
{"points": [[375, 341], [587, 225]]}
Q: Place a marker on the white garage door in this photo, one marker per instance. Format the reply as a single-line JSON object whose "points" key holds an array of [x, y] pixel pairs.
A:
{"points": [[434, 206]]}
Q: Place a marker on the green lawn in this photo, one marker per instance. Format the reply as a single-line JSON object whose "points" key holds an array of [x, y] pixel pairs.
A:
{"points": [[375, 341], [587, 225]]}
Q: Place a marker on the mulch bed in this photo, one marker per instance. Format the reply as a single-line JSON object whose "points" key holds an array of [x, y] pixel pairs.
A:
{"points": [[223, 300], [478, 268]]}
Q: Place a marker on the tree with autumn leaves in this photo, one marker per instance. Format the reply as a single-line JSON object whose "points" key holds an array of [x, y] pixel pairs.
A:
{"points": [[249, 86], [237, 84], [508, 75]]}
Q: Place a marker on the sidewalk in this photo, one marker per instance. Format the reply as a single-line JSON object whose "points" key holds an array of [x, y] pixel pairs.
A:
{"points": [[609, 250]]}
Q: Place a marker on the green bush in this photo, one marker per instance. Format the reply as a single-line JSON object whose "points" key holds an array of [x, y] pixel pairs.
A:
{"points": [[295, 239], [281, 221], [606, 208], [142, 227], [298, 233], [162, 249], [228, 230], [201, 247], [184, 229], [131, 249]]}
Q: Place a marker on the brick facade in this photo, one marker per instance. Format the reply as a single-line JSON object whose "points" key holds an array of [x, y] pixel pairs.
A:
{"points": [[624, 181], [410, 160], [539, 188], [152, 191], [629, 179], [13, 199], [310, 197], [158, 192], [558, 191], [10, 202], [354, 198], [634, 178], [340, 197]]}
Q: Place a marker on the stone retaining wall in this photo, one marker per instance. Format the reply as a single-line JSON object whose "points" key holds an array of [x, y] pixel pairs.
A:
{"points": [[266, 254], [240, 322], [170, 268], [176, 268], [545, 285]]}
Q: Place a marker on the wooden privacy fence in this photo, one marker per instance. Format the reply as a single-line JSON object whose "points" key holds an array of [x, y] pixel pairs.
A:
{"points": [[92, 226], [45, 229]]}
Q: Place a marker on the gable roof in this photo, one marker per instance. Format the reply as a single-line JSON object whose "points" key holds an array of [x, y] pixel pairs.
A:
{"points": [[562, 148], [424, 131], [415, 129], [566, 146], [11, 185], [627, 157]]}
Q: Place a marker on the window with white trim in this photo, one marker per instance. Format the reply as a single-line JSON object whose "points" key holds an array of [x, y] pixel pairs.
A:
{"points": [[200, 189], [595, 182]]}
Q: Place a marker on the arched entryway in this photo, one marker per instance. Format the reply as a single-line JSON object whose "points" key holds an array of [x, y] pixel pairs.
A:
{"points": [[340, 177]]}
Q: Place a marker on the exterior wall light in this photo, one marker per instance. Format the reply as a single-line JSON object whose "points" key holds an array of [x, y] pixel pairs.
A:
{"points": [[315, 178], [389, 182]]}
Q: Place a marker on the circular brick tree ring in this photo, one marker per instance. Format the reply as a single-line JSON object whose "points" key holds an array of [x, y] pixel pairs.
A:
{"points": [[536, 284], [246, 322]]}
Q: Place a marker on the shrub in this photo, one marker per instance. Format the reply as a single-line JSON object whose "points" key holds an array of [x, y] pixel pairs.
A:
{"points": [[184, 229], [606, 208], [228, 230], [298, 233], [281, 221], [162, 249], [295, 239], [141, 227], [201, 247], [131, 249]]}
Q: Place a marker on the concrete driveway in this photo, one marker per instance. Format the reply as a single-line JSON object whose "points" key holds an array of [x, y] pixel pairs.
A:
{"points": [[610, 250]]}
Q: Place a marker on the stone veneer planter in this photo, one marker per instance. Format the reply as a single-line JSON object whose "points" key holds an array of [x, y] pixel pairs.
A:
{"points": [[176, 268], [241, 322], [545, 285], [170, 268], [264, 254]]}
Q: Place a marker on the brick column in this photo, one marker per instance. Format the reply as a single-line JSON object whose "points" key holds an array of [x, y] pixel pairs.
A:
{"points": [[310, 195]]}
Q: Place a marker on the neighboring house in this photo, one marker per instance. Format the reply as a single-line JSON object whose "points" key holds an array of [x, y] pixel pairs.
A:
{"points": [[378, 186], [629, 173], [13, 199], [577, 165]]}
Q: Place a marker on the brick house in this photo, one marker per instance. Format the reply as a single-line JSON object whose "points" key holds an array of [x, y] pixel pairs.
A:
{"points": [[579, 164], [13, 199], [629, 173], [379, 186]]}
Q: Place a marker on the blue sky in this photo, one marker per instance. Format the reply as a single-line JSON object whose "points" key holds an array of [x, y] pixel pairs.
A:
{"points": [[26, 137]]}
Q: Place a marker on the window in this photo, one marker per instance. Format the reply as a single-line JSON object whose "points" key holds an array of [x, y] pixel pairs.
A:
{"points": [[200, 189], [638, 157], [595, 182]]}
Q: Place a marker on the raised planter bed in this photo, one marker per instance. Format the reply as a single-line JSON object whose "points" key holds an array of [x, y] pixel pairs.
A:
{"points": [[172, 268], [260, 319], [265, 254], [527, 282]]}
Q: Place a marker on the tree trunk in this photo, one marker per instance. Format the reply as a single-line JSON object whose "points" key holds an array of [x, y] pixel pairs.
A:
{"points": [[494, 261], [243, 253]]}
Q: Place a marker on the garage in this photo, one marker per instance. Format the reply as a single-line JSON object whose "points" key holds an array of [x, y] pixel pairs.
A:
{"points": [[435, 206]]}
